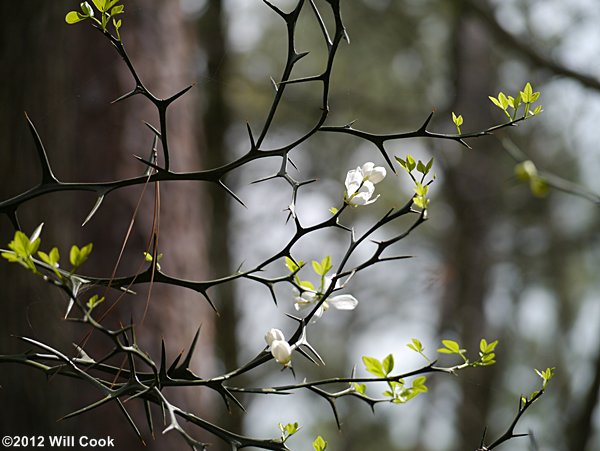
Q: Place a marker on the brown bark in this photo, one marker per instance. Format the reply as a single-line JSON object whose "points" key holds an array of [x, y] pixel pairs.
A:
{"points": [[65, 77]]}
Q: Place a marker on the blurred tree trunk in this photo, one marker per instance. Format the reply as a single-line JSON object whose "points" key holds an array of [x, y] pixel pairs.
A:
{"points": [[65, 77], [473, 189], [216, 116]]}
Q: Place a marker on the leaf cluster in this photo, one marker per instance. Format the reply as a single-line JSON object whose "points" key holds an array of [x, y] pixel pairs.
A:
{"points": [[108, 10]]}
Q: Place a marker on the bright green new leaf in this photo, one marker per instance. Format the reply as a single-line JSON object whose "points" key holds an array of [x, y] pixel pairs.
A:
{"points": [[428, 166], [94, 301], [410, 163], [360, 388], [421, 189], [111, 3], [451, 347], [73, 17], [77, 256], [402, 163], [290, 264], [373, 366], [486, 347], [319, 444], [307, 284], [458, 121], [117, 10], [388, 364], [100, 5], [419, 384], [326, 264], [288, 430], [416, 345], [51, 259], [317, 267], [546, 375]]}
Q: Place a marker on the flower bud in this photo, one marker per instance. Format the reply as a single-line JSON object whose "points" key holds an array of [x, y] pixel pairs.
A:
{"points": [[281, 351], [273, 335]]}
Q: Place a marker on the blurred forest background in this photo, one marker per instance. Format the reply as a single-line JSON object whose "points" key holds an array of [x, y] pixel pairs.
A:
{"points": [[493, 261]]}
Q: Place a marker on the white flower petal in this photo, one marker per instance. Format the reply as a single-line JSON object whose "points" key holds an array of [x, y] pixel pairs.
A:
{"points": [[281, 351], [354, 178], [301, 304], [273, 335], [343, 302], [377, 174]]}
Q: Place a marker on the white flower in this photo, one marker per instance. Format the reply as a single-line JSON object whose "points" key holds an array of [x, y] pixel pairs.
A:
{"points": [[282, 352], [273, 335], [360, 183], [310, 297], [279, 347], [372, 173]]}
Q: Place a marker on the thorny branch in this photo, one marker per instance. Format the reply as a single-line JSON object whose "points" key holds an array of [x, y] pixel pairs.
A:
{"points": [[143, 378]]}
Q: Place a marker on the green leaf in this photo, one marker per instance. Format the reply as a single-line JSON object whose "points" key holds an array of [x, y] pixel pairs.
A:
{"points": [[388, 364], [94, 301], [429, 166], [373, 366], [77, 256], [100, 5], [317, 268], [326, 265], [319, 444], [117, 10], [402, 163], [410, 163], [73, 17], [486, 347], [416, 345], [52, 258], [419, 384], [360, 388], [527, 94], [451, 347], [307, 284], [496, 102], [20, 244], [291, 265], [458, 121], [421, 189]]}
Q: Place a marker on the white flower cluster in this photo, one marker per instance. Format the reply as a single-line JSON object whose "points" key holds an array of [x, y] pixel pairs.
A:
{"points": [[360, 184]]}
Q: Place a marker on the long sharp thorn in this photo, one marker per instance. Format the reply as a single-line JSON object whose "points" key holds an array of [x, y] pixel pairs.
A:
{"points": [[426, 123], [188, 357], [252, 141], [94, 209], [179, 94], [151, 127], [47, 175], [126, 96], [226, 188]]}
